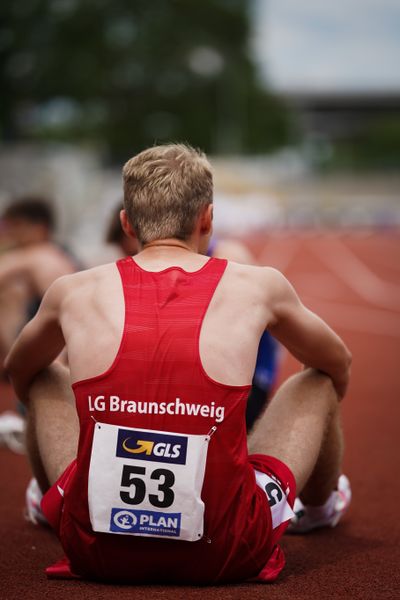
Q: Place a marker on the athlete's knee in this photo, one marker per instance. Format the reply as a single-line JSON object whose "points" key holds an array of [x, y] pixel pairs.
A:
{"points": [[313, 391], [316, 376], [314, 381]]}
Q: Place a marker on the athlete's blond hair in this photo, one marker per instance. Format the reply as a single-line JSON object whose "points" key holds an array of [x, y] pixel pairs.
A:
{"points": [[165, 188]]}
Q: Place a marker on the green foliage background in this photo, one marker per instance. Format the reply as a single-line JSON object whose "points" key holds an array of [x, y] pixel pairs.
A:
{"points": [[120, 73]]}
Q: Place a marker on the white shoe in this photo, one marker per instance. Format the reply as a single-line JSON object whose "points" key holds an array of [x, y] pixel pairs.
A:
{"points": [[329, 514], [33, 498], [12, 431]]}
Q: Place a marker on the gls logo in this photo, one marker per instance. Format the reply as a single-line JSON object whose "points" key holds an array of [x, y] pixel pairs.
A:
{"points": [[146, 447], [149, 445]]}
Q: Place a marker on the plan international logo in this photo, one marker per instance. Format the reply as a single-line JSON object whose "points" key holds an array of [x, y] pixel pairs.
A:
{"points": [[145, 522], [152, 446]]}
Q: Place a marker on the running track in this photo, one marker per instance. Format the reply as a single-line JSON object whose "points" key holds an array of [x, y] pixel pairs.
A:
{"points": [[352, 279]]}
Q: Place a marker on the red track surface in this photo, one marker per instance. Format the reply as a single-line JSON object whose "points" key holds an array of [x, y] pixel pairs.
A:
{"points": [[353, 281]]}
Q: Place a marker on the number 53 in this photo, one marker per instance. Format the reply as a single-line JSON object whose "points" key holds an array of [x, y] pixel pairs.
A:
{"points": [[136, 492]]}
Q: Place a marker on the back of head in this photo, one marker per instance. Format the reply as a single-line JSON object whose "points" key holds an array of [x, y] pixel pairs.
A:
{"points": [[165, 188], [34, 210]]}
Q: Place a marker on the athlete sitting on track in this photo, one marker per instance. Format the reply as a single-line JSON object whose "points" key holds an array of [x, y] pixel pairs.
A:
{"points": [[149, 477], [30, 262]]}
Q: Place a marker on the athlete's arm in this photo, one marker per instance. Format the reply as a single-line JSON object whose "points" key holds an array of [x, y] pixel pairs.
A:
{"points": [[306, 335], [39, 343]]}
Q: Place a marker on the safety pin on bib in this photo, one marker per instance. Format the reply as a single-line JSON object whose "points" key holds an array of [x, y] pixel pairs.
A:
{"points": [[212, 431]]}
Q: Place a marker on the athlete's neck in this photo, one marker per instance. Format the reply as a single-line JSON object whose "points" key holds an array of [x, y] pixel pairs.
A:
{"points": [[161, 254], [162, 245]]}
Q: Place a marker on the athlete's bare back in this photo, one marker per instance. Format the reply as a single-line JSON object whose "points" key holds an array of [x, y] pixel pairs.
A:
{"points": [[235, 320]]}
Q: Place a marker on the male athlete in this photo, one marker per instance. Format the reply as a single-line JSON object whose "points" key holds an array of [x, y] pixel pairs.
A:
{"points": [[146, 462], [29, 263], [32, 262]]}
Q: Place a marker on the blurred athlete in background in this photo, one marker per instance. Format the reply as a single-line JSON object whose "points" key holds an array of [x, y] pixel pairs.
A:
{"points": [[33, 260], [30, 262]]}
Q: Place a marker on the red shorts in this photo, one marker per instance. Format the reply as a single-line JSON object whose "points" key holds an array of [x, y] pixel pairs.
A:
{"points": [[280, 494], [278, 488], [53, 501]]}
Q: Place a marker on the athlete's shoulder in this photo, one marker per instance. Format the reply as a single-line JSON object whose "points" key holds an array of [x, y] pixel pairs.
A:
{"points": [[268, 274], [84, 279], [267, 282]]}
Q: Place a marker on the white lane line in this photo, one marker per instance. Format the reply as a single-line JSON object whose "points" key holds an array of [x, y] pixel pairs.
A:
{"points": [[381, 261], [355, 273], [356, 318]]}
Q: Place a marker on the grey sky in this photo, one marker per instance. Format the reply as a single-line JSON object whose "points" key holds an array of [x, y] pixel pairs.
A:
{"points": [[318, 45]]}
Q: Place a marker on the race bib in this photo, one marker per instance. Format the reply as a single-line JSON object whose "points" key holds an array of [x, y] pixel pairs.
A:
{"points": [[147, 483]]}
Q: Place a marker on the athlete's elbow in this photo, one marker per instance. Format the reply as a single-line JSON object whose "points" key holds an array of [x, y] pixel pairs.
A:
{"points": [[347, 358], [20, 385], [343, 371], [14, 371], [344, 360], [8, 364]]}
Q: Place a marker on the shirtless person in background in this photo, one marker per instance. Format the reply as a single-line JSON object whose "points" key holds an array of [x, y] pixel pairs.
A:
{"points": [[32, 261], [29, 263], [162, 349]]}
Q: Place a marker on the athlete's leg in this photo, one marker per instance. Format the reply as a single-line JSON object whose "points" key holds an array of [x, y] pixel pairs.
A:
{"points": [[52, 425], [301, 428]]}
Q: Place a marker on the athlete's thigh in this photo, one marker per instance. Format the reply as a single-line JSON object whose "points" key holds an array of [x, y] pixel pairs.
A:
{"points": [[293, 426]]}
